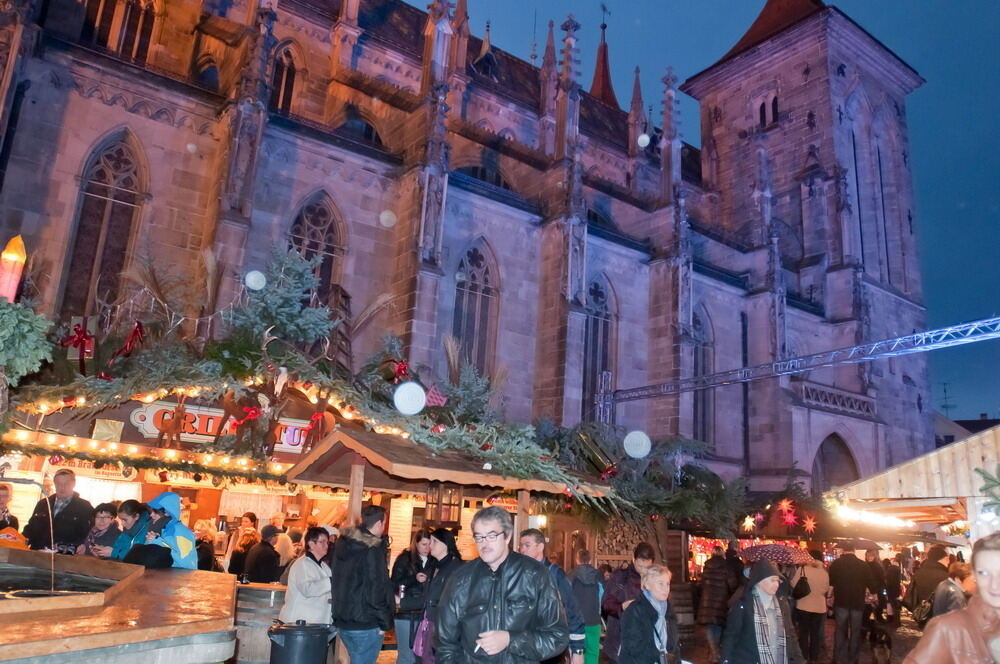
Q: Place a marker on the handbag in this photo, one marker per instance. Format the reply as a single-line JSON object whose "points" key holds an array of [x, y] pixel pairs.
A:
{"points": [[423, 643], [801, 588], [922, 613]]}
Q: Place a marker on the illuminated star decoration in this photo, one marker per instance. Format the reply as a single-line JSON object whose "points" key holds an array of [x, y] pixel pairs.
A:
{"points": [[789, 518], [809, 524], [748, 524], [758, 517], [785, 505]]}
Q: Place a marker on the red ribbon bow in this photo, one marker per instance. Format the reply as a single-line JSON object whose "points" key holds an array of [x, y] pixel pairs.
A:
{"points": [[81, 340], [313, 421], [135, 337], [252, 413], [401, 370]]}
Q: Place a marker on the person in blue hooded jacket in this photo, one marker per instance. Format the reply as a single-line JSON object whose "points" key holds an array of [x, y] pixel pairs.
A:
{"points": [[167, 530]]}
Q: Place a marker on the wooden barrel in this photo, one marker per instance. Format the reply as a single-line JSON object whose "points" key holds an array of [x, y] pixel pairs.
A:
{"points": [[257, 606]]}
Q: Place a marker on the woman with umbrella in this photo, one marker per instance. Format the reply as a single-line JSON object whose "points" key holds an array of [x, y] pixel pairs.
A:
{"points": [[759, 627]]}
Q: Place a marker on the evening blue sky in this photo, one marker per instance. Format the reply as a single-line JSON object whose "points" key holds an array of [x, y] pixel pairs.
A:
{"points": [[954, 144]]}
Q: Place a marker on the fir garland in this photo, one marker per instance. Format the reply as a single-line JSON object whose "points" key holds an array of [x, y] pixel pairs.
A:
{"points": [[140, 463]]}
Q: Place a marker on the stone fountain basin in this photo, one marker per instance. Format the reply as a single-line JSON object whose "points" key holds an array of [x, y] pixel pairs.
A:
{"points": [[81, 581], [156, 616]]}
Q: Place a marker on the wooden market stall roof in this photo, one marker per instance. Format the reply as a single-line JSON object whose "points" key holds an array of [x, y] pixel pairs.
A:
{"points": [[397, 464], [931, 487]]}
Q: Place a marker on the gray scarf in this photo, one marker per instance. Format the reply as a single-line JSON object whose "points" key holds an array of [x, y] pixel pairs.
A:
{"points": [[660, 633]]}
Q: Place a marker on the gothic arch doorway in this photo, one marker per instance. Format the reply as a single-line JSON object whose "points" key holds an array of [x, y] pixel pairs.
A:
{"points": [[834, 465]]}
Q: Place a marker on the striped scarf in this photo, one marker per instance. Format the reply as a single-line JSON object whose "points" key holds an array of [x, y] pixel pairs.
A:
{"points": [[766, 641]]}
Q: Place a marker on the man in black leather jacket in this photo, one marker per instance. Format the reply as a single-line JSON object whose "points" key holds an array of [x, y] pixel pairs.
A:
{"points": [[501, 608]]}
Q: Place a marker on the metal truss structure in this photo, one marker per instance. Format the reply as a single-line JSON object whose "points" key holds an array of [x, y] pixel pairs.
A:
{"points": [[919, 342]]}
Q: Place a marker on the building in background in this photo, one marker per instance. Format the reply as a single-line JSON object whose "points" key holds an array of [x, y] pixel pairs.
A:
{"points": [[554, 234]]}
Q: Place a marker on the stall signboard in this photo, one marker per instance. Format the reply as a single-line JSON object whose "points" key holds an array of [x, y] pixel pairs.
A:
{"points": [[109, 471], [201, 423], [509, 503]]}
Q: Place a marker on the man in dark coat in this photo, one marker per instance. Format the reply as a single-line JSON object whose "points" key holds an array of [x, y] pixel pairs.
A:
{"points": [[362, 594], [623, 589], [587, 588], [532, 544], [759, 626], [718, 583], [850, 578], [73, 517], [501, 608], [263, 563], [927, 578]]}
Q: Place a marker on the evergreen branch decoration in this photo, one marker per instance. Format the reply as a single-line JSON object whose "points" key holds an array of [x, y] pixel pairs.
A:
{"points": [[991, 488]]}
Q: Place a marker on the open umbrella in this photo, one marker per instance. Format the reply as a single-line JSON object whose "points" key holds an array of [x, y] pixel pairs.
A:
{"points": [[778, 553], [858, 545]]}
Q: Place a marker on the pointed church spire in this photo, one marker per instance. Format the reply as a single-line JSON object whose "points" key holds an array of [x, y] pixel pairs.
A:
{"points": [[636, 106], [549, 59], [461, 19], [776, 16], [487, 46], [601, 86]]}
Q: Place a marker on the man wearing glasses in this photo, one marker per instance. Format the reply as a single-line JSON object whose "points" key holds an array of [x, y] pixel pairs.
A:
{"points": [[502, 607]]}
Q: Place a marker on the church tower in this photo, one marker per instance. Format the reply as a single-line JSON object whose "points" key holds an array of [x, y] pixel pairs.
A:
{"points": [[805, 148]]}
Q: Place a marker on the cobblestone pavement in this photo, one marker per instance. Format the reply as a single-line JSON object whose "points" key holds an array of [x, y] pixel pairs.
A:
{"points": [[904, 637]]}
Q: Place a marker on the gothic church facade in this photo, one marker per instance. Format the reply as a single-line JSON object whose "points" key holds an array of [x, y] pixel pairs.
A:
{"points": [[474, 194]]}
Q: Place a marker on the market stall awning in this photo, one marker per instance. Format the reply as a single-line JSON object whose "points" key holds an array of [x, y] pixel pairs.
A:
{"points": [[934, 487], [394, 463]]}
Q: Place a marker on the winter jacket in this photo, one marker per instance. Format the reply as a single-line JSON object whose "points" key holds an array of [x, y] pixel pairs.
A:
{"points": [[442, 572], [893, 581], [948, 596], [574, 619], [130, 537], [625, 584], [8, 520], [739, 641], [718, 583], [106, 538], [362, 593], [308, 594], [638, 633], [519, 597], [404, 573], [175, 535], [238, 561], [958, 637], [878, 576], [206, 556], [263, 564], [926, 581], [586, 582], [819, 586], [70, 526], [849, 578]]}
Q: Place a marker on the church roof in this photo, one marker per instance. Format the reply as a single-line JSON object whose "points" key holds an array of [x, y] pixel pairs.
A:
{"points": [[775, 17]]}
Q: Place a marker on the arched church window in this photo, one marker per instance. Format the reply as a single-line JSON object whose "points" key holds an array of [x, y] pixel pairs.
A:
{"points": [[315, 232], [359, 128], [489, 175], [762, 111], [598, 346], [702, 415], [136, 30], [833, 466], [774, 109], [108, 207], [97, 21], [283, 81], [475, 308]]}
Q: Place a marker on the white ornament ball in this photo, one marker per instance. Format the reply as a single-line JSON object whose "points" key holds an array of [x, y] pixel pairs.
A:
{"points": [[387, 218], [637, 444], [643, 140], [255, 280], [487, 466], [409, 398]]}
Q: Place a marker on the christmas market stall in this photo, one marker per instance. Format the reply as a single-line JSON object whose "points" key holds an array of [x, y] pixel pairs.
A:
{"points": [[951, 492]]}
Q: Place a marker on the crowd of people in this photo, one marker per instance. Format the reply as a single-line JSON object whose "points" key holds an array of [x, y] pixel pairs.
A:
{"points": [[518, 606]]}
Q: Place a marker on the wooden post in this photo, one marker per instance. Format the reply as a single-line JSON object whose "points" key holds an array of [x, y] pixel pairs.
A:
{"points": [[356, 489], [521, 518]]}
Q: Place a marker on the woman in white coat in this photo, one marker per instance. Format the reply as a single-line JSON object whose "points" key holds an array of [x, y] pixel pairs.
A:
{"points": [[308, 595]]}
